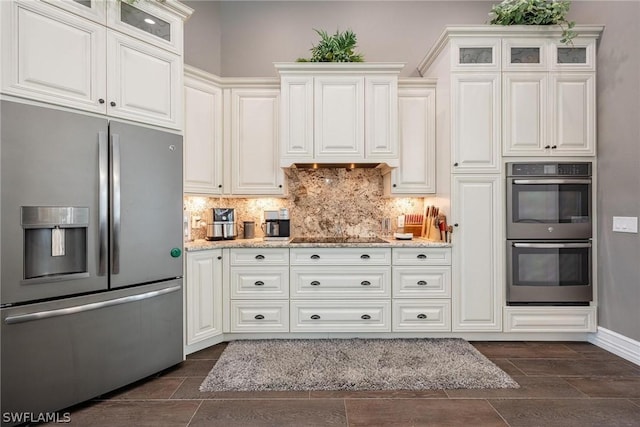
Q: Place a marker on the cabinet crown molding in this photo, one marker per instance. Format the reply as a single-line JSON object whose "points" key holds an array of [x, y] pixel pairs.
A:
{"points": [[339, 67], [496, 31]]}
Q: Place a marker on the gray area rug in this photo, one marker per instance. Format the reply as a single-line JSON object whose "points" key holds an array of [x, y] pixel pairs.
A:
{"points": [[353, 364]]}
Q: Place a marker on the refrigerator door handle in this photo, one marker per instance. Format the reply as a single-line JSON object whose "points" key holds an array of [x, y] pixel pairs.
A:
{"points": [[103, 202], [115, 195], [21, 318]]}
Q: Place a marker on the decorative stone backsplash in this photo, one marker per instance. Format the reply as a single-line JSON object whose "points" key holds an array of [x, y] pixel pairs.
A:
{"points": [[321, 202]]}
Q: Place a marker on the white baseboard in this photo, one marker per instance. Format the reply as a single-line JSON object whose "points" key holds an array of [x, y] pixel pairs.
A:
{"points": [[617, 344]]}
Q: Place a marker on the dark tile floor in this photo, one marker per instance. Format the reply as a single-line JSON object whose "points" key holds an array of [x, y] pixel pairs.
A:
{"points": [[561, 384]]}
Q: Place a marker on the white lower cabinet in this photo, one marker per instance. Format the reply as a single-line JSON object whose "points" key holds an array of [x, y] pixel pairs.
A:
{"points": [[550, 319], [478, 253], [341, 316], [340, 290], [258, 290], [203, 292], [421, 289], [421, 315]]}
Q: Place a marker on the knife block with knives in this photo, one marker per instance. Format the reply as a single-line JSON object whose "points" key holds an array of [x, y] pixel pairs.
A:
{"points": [[435, 225]]}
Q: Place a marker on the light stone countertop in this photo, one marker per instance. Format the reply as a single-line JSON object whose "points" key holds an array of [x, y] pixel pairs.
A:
{"points": [[202, 245]]}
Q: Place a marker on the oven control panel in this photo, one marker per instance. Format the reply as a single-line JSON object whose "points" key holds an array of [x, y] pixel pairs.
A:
{"points": [[549, 169]]}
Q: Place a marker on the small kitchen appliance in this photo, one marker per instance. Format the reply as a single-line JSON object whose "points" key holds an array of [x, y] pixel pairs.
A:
{"points": [[221, 224], [276, 225]]}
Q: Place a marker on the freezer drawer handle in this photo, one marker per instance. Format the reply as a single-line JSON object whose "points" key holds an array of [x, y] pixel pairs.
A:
{"points": [[21, 318]]}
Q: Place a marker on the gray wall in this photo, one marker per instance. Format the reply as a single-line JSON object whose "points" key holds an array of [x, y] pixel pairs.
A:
{"points": [[253, 35]]}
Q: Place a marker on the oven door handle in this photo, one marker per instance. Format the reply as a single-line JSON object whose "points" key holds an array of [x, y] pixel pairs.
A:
{"points": [[551, 181], [551, 245]]}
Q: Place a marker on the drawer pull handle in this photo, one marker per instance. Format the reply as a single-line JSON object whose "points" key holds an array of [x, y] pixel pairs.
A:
{"points": [[364, 256], [422, 283], [259, 283], [315, 317], [315, 256], [365, 317], [315, 283], [258, 317], [422, 316], [421, 256], [259, 256], [365, 283]]}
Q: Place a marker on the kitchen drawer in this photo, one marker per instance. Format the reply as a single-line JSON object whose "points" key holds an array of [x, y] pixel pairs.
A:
{"points": [[259, 282], [341, 256], [421, 315], [341, 282], [259, 256], [341, 316], [422, 256], [550, 319], [259, 316], [422, 282]]}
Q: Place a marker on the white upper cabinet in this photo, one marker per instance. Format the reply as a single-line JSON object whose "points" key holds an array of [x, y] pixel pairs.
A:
{"points": [[475, 54], [253, 134], [339, 113], [81, 55], [525, 112], [416, 173], [203, 162], [475, 127]]}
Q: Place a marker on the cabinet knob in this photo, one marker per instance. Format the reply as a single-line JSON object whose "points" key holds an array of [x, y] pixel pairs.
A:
{"points": [[101, 101], [219, 257], [395, 185], [315, 317], [259, 283], [315, 256], [455, 164], [455, 225], [259, 256], [422, 283], [279, 185], [315, 283], [547, 146], [365, 317], [219, 185], [365, 283], [422, 316], [421, 256], [258, 317], [553, 147], [113, 104]]}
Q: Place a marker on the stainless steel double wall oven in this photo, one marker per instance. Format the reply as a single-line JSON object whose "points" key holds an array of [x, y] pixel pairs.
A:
{"points": [[549, 233]]}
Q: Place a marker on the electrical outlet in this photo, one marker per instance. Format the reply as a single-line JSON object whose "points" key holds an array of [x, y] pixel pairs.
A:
{"points": [[401, 221], [625, 224]]}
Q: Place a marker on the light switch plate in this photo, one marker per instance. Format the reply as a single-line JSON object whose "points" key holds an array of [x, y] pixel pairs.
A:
{"points": [[625, 224]]}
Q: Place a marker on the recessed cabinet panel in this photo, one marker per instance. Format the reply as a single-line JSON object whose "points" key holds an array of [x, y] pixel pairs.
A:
{"points": [[573, 113], [203, 295], [297, 117], [340, 282], [525, 113], [476, 129], [339, 117], [35, 66], [145, 82], [202, 137], [421, 315], [381, 108], [254, 142]]}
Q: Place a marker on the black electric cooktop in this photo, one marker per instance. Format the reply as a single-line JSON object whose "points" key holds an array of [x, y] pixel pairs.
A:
{"points": [[337, 240]]}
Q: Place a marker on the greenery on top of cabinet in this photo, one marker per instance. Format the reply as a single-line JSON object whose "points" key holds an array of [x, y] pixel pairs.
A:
{"points": [[338, 47], [534, 12]]}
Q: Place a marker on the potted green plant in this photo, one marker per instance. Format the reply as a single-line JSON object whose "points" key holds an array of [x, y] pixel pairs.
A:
{"points": [[534, 12], [339, 47]]}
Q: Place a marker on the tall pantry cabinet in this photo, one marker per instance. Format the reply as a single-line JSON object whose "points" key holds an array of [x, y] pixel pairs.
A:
{"points": [[502, 91]]}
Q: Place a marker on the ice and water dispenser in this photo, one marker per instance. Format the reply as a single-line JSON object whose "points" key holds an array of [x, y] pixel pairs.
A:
{"points": [[55, 242]]}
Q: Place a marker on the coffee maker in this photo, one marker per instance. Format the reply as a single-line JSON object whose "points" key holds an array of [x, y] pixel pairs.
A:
{"points": [[221, 224], [276, 225]]}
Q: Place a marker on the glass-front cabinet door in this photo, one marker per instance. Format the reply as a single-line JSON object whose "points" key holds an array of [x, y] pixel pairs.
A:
{"points": [[148, 22], [524, 55], [95, 10]]}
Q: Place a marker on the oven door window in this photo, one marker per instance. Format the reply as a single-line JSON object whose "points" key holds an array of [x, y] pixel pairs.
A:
{"points": [[540, 266], [550, 203]]}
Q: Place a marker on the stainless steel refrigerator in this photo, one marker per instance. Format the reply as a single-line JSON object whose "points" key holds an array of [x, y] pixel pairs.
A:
{"points": [[91, 256]]}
